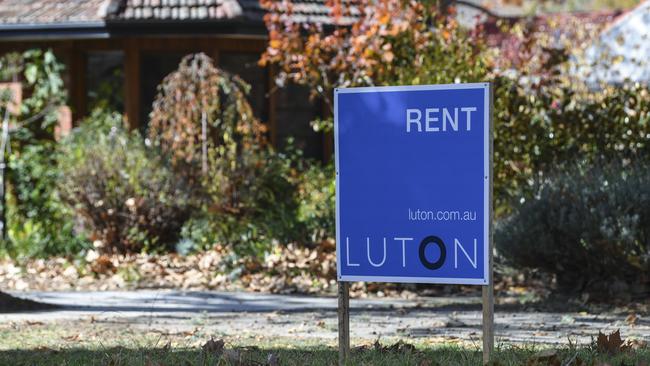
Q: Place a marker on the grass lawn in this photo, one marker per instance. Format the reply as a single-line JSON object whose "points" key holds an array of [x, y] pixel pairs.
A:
{"points": [[69, 343], [295, 354]]}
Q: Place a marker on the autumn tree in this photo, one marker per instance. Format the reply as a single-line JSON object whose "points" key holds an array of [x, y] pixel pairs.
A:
{"points": [[202, 121], [371, 43]]}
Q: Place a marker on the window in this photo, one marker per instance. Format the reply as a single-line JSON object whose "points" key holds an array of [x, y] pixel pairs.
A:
{"points": [[245, 65], [105, 80], [153, 69], [294, 112]]}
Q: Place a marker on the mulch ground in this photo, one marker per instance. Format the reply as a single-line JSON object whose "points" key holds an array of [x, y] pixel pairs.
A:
{"points": [[289, 269]]}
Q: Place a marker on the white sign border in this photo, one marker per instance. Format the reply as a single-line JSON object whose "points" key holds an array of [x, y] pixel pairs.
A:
{"points": [[487, 181]]}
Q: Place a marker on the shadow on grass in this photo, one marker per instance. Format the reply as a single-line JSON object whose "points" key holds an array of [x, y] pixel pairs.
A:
{"points": [[312, 355], [214, 302], [238, 356]]}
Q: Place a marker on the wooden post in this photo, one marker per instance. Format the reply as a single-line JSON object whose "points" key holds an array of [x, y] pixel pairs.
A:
{"points": [[78, 83], [132, 83], [488, 320], [488, 290], [344, 322]]}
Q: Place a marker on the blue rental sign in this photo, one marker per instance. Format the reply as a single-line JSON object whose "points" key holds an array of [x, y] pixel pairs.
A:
{"points": [[413, 179]]}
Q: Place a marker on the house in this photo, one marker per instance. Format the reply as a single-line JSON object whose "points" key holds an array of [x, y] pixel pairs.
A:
{"points": [[133, 44], [122, 49]]}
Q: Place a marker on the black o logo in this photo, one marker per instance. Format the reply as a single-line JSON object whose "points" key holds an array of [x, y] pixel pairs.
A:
{"points": [[443, 252]]}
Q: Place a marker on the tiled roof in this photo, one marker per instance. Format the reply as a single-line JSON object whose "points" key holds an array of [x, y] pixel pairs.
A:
{"points": [[304, 11], [51, 11], [46, 12], [188, 10], [315, 12], [133, 11]]}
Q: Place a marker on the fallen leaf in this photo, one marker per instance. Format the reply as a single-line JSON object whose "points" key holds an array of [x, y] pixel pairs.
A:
{"points": [[636, 344], [103, 264], [213, 347], [74, 337], [632, 319], [611, 344]]}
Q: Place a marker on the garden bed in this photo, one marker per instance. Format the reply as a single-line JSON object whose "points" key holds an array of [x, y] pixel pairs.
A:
{"points": [[288, 269]]}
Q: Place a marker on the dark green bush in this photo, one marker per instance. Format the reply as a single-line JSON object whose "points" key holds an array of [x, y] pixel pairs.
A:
{"points": [[285, 199], [589, 225], [263, 212], [38, 223], [538, 126], [317, 201], [124, 193]]}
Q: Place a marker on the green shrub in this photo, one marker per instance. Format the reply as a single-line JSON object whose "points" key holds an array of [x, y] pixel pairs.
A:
{"points": [[589, 225], [541, 125], [202, 120], [285, 199], [39, 223], [262, 213], [317, 201], [197, 234], [122, 191]]}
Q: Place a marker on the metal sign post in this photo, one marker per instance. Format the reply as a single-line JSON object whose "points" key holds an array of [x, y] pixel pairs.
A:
{"points": [[414, 190]]}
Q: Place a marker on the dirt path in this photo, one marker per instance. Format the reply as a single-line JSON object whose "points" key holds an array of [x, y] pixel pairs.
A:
{"points": [[254, 314]]}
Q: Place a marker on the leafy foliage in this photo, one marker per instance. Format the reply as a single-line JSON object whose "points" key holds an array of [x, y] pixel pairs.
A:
{"points": [[38, 223], [317, 201], [590, 226], [126, 195], [202, 120], [391, 43], [266, 205], [540, 127], [543, 115], [42, 82]]}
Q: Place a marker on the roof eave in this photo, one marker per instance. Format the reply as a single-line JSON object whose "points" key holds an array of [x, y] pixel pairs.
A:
{"points": [[172, 27], [49, 31], [236, 27]]}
